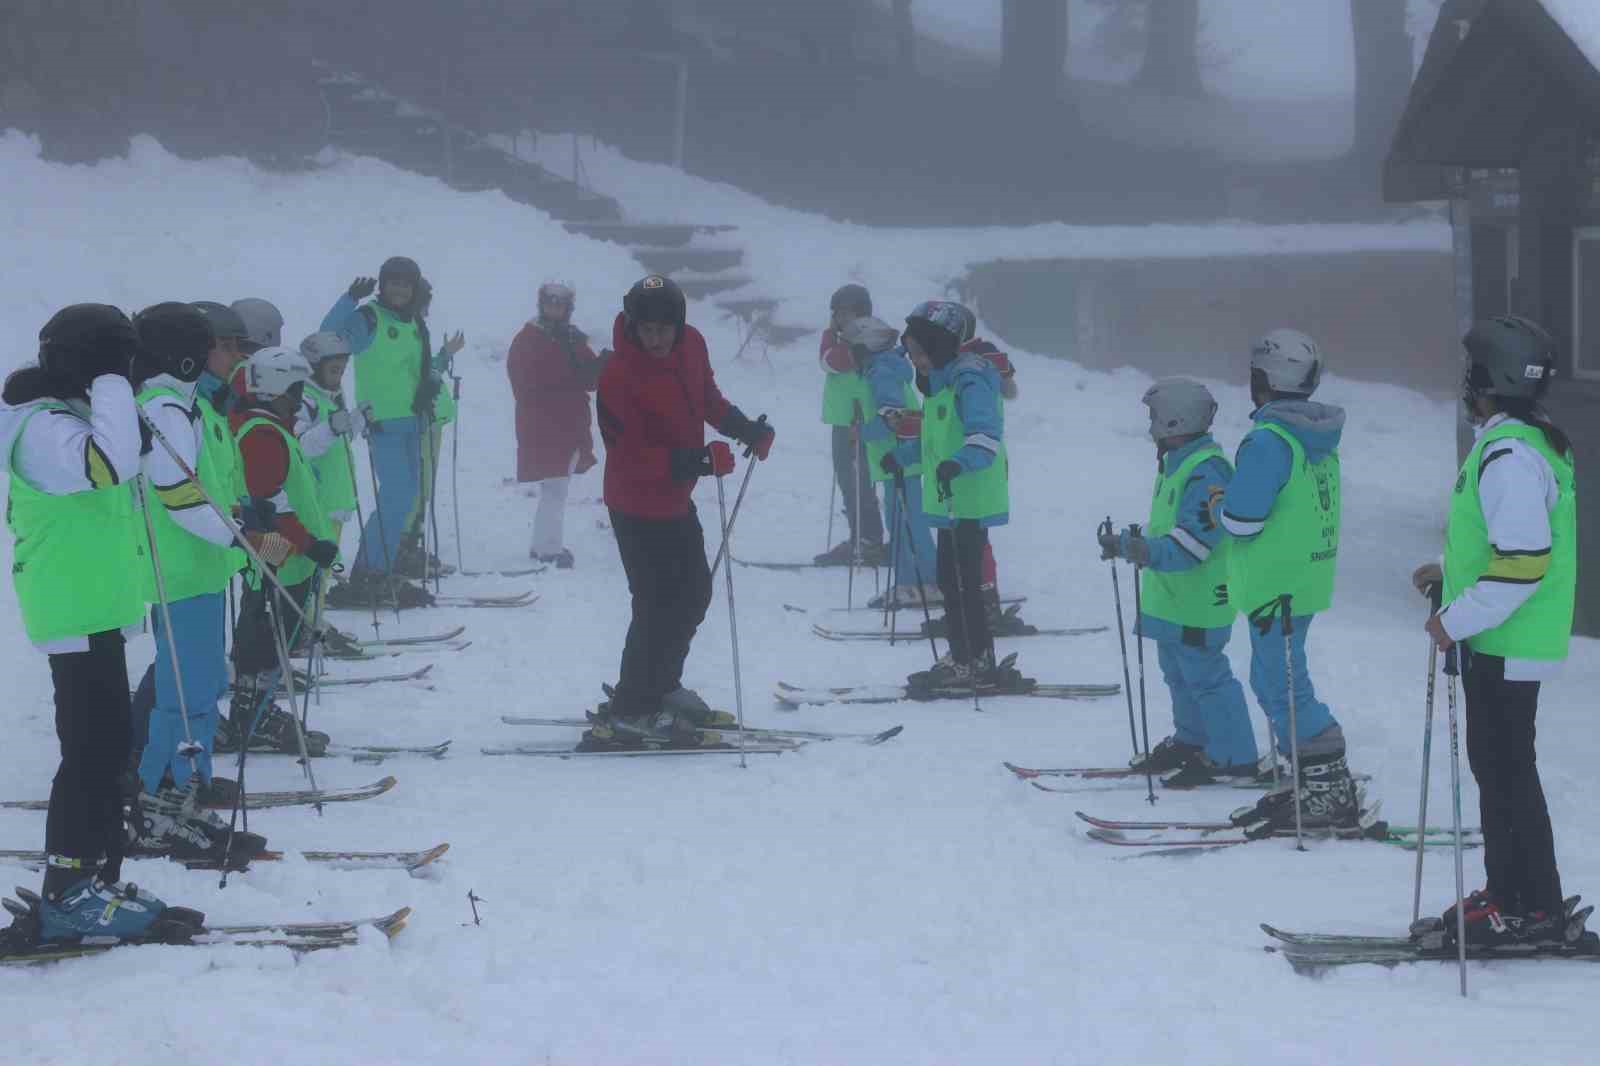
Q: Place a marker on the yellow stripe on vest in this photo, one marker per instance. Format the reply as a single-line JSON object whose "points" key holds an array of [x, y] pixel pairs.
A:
{"points": [[98, 467], [1522, 568], [180, 497]]}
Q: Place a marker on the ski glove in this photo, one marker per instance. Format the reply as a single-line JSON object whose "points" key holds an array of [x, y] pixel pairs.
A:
{"points": [[361, 288], [273, 548], [257, 515], [1129, 545], [889, 464], [720, 458], [908, 425], [947, 472], [756, 436], [688, 464], [350, 423], [323, 553]]}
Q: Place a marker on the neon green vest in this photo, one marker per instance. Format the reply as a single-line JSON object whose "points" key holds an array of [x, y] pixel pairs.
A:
{"points": [[301, 488], [1298, 551], [980, 494], [388, 372], [1542, 627], [877, 449], [845, 399], [191, 565], [79, 559], [336, 489], [1196, 597]]}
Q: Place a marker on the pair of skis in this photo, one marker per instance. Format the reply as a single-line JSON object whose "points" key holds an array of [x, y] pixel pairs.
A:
{"points": [[912, 636], [1181, 836], [260, 801], [410, 861], [754, 737], [789, 695]]}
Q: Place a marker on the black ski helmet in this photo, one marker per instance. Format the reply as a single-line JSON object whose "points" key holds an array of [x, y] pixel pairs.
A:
{"points": [[1508, 357], [82, 337], [656, 298], [177, 338], [938, 326], [225, 321], [853, 298]]}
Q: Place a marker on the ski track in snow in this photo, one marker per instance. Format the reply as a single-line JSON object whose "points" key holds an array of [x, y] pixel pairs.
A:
{"points": [[911, 903]]}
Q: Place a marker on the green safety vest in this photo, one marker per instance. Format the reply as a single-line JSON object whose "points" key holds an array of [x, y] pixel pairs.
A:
{"points": [[1541, 628], [79, 558], [301, 488], [1197, 597], [877, 449], [389, 370], [336, 487], [975, 494], [845, 398], [1297, 552], [191, 565]]}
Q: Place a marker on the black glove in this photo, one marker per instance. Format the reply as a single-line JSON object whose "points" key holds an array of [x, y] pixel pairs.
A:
{"points": [[1135, 548], [889, 464], [947, 472], [257, 515], [1110, 543], [427, 393], [122, 359], [323, 553], [757, 436], [361, 288]]}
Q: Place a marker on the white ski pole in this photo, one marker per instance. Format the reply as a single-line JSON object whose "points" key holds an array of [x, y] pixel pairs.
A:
{"points": [[1434, 595], [1451, 669], [1284, 605], [189, 749], [733, 616]]}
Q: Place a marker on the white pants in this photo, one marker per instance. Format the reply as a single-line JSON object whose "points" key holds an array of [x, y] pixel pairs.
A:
{"points": [[549, 517]]}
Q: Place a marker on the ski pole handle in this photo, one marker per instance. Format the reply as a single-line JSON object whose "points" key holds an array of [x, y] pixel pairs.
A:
{"points": [[1435, 594]]}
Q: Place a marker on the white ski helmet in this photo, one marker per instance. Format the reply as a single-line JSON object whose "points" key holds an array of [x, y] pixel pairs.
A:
{"points": [[324, 345], [873, 334], [1179, 407], [272, 372], [262, 321], [559, 292], [1287, 361]]}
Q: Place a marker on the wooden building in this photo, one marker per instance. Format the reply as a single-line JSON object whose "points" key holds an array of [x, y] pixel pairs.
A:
{"points": [[1504, 122]]}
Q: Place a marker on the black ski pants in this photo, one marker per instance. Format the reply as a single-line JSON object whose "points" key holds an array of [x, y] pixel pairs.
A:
{"points": [[961, 549], [855, 481], [1519, 854], [255, 647], [93, 726], [665, 560]]}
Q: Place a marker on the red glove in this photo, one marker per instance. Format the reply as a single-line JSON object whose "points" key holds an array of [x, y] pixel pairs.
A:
{"points": [[721, 458], [836, 354], [1001, 362], [909, 426]]}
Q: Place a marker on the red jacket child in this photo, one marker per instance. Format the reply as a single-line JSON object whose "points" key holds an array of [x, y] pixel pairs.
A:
{"points": [[552, 371]]}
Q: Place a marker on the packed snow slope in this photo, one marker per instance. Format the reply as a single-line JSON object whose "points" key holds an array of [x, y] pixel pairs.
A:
{"points": [[910, 903]]}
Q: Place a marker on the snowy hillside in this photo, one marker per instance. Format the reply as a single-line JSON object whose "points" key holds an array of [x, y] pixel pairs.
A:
{"points": [[909, 903]]}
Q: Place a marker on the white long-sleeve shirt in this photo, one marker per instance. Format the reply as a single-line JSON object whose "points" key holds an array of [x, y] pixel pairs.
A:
{"points": [[1517, 490], [181, 425]]}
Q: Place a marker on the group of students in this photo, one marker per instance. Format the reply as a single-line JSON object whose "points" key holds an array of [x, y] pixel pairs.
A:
{"points": [[152, 459]]}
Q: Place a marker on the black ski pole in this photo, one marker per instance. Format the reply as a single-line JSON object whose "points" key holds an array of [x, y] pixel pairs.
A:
{"points": [[455, 472], [1144, 717], [1285, 606], [1435, 596], [890, 601], [916, 567], [1122, 639], [961, 591], [1452, 664]]}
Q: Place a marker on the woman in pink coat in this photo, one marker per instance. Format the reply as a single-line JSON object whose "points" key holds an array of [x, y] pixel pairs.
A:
{"points": [[553, 370]]}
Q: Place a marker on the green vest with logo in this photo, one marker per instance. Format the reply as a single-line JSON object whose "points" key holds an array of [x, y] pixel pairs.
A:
{"points": [[79, 559], [1541, 628], [389, 370], [1297, 553], [1196, 597], [191, 565], [336, 488], [301, 487], [845, 399], [974, 494], [877, 449]]}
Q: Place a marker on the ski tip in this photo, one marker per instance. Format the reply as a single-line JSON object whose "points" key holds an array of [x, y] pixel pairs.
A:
{"points": [[888, 734], [1038, 786], [1082, 817], [1021, 771]]}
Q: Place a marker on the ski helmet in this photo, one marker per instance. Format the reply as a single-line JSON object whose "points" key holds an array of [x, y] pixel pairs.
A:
{"points": [[558, 292], [262, 321], [81, 338], [936, 326], [969, 324], [853, 298], [1179, 407], [225, 321], [872, 334], [1287, 361], [177, 338], [656, 298], [272, 372], [400, 268], [1509, 357], [322, 346]]}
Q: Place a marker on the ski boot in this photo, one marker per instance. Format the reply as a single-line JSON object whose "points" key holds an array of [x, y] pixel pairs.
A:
{"points": [[873, 553], [355, 593], [118, 910], [615, 730], [1328, 798], [168, 823], [912, 595], [1007, 622], [274, 733], [946, 672], [221, 792], [1000, 677], [335, 645], [410, 561], [561, 560], [687, 704], [1169, 755], [1200, 771]]}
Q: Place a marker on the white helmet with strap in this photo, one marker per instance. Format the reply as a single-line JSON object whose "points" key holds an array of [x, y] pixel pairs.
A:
{"points": [[272, 372]]}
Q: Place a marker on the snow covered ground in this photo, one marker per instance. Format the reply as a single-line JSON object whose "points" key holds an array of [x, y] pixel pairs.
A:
{"points": [[910, 903]]}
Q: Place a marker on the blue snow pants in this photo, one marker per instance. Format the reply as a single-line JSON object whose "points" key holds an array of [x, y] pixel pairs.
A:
{"points": [[1270, 685], [1208, 707], [396, 447], [915, 561], [199, 632]]}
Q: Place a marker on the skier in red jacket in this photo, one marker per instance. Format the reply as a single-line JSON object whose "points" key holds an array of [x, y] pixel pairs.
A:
{"points": [[657, 395], [552, 371]]}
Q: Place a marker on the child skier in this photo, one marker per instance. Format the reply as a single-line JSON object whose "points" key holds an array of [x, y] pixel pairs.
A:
{"points": [[962, 443], [845, 404], [435, 408], [1282, 510], [1183, 558], [1509, 579]]}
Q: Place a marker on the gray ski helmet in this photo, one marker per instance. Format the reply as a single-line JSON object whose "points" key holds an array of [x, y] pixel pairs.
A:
{"points": [[1287, 361], [225, 321], [262, 321], [324, 345], [1179, 407], [1509, 357], [870, 333], [853, 298]]}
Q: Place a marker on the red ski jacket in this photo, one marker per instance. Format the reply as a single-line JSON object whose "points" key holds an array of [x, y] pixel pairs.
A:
{"points": [[551, 378], [649, 408]]}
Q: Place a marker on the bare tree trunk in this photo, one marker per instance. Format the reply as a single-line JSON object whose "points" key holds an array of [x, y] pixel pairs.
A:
{"points": [[1033, 40], [1383, 73], [905, 37], [1172, 48]]}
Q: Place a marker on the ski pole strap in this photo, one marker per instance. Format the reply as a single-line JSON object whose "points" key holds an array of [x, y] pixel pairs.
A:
{"points": [[1285, 603]]}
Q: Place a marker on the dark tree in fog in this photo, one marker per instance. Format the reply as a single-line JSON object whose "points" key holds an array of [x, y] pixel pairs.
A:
{"points": [[905, 36], [1383, 72], [1033, 36], [1172, 48]]}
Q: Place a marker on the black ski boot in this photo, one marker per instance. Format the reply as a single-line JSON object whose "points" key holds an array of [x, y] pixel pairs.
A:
{"points": [[1169, 755], [613, 729], [274, 733], [1327, 795], [1200, 771], [410, 561], [946, 672]]}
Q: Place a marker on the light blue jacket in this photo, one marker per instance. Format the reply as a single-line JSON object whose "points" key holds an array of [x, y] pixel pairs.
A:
{"points": [[1167, 554], [1261, 467]]}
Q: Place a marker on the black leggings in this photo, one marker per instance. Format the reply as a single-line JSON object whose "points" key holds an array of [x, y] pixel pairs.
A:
{"points": [[93, 725], [665, 560], [968, 622], [1519, 853], [255, 647]]}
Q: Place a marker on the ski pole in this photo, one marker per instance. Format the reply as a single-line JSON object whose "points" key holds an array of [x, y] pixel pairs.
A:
{"points": [[313, 597], [1435, 596], [455, 471], [1106, 530], [833, 496], [383, 533], [433, 505], [733, 616], [1285, 604], [1451, 669], [738, 501], [1144, 718], [961, 591], [890, 613], [855, 519], [188, 749], [916, 566], [361, 528]]}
